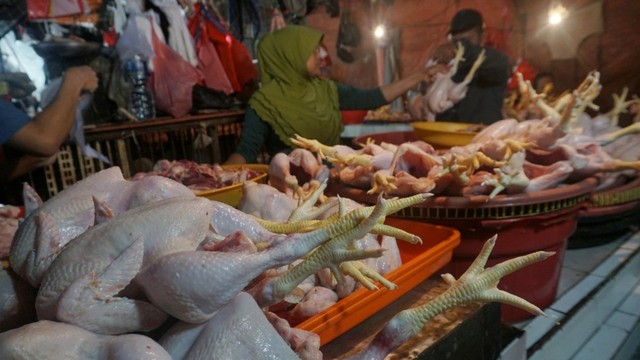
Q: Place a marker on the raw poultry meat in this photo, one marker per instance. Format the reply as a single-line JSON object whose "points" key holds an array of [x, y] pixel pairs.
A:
{"points": [[93, 268], [105, 258], [408, 323], [443, 93], [55, 340], [17, 299], [239, 330], [199, 176], [296, 172], [229, 273], [9, 221], [266, 202], [49, 227]]}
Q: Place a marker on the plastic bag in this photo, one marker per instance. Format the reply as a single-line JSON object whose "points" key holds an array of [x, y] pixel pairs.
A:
{"points": [[215, 76], [173, 80], [136, 37], [46, 9]]}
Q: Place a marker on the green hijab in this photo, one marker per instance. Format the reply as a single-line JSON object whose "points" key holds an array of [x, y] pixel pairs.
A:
{"points": [[289, 99]]}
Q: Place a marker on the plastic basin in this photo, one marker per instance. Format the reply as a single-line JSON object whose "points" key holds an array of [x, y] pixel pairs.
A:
{"points": [[444, 135], [232, 194], [420, 261]]}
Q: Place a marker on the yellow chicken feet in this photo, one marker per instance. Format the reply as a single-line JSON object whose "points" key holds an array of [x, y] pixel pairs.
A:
{"points": [[614, 135], [476, 161], [328, 255], [364, 274], [476, 284], [325, 151], [381, 183]]}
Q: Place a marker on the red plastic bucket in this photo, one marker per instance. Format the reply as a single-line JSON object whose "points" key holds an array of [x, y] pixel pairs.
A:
{"points": [[525, 223], [537, 283], [353, 116]]}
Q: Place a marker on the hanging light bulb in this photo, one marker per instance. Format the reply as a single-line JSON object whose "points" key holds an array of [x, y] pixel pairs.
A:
{"points": [[379, 32], [557, 13]]}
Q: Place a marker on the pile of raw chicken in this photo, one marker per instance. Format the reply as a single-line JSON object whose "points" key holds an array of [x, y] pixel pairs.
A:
{"points": [[199, 176], [112, 268], [563, 146]]}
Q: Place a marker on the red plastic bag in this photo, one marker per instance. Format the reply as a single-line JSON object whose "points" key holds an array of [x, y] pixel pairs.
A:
{"points": [[46, 9], [233, 55], [173, 80], [215, 76]]}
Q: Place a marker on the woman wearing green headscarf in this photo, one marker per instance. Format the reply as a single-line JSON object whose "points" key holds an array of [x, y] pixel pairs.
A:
{"points": [[294, 99]]}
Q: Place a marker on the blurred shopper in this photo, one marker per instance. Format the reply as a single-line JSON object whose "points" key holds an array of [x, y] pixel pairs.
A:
{"points": [[296, 99], [486, 92]]}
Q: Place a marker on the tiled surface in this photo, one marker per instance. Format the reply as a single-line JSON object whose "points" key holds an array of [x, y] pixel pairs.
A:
{"points": [[623, 320], [631, 305], [539, 326], [603, 345], [597, 328]]}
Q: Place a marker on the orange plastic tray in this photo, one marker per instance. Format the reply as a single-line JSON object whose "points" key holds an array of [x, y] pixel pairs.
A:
{"points": [[419, 261]]}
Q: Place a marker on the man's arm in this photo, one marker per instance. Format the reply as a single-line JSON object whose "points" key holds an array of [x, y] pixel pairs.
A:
{"points": [[43, 135]]}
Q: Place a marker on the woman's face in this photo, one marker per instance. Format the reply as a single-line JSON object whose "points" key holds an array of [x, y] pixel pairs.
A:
{"points": [[314, 61]]}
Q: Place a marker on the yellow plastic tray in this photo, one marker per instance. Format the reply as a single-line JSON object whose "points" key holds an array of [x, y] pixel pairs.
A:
{"points": [[419, 261], [232, 194], [442, 134]]}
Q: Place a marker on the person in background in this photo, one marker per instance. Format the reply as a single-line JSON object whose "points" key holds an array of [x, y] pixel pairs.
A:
{"points": [[486, 92], [295, 99], [28, 143]]}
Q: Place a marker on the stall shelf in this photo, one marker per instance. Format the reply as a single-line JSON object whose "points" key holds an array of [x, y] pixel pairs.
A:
{"points": [[136, 146]]}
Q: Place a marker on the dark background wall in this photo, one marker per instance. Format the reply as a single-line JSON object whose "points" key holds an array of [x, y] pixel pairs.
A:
{"points": [[596, 35]]}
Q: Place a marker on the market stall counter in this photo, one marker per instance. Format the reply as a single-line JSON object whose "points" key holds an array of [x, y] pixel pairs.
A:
{"points": [[135, 146], [472, 331]]}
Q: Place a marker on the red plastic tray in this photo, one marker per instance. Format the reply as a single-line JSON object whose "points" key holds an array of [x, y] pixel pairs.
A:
{"points": [[419, 261]]}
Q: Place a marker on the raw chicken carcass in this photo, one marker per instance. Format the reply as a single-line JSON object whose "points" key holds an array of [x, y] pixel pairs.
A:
{"points": [[266, 202], [49, 227], [443, 93], [294, 173], [82, 284], [239, 330], [54, 340]]}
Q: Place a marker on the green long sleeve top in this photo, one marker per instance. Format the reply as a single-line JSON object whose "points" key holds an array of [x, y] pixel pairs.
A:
{"points": [[257, 135]]}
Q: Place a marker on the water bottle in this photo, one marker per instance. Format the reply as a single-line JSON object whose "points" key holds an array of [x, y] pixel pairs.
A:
{"points": [[142, 103]]}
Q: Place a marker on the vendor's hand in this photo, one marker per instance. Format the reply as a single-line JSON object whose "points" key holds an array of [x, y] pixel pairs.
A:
{"points": [[82, 76], [431, 72], [444, 53]]}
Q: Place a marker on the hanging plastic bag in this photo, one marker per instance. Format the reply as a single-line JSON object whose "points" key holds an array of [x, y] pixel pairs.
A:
{"points": [[47, 9], [233, 55], [173, 80], [215, 76], [135, 40]]}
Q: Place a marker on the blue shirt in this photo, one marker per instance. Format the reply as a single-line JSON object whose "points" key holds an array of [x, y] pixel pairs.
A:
{"points": [[12, 119]]}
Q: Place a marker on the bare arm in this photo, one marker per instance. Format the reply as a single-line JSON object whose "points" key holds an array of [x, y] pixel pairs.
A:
{"points": [[48, 129], [400, 87]]}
